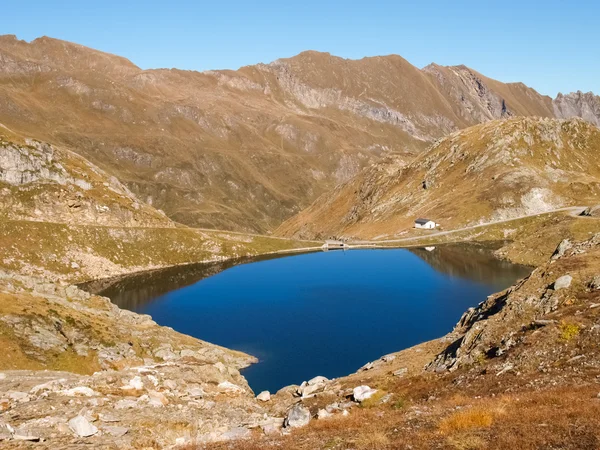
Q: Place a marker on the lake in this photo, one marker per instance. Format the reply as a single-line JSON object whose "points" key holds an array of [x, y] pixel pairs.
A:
{"points": [[324, 313]]}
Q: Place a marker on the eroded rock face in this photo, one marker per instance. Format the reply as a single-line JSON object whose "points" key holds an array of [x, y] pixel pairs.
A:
{"points": [[39, 182], [578, 104]]}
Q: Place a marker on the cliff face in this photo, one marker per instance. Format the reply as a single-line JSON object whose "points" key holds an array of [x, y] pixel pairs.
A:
{"points": [[241, 149], [578, 104], [491, 172]]}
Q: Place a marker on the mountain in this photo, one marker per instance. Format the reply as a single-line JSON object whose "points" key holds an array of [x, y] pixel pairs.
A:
{"points": [[489, 172], [245, 149]]}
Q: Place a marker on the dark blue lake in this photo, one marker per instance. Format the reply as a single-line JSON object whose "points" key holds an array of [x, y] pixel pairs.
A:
{"points": [[325, 313]]}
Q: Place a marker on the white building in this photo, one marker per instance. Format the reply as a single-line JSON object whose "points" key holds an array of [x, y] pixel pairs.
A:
{"points": [[425, 223]]}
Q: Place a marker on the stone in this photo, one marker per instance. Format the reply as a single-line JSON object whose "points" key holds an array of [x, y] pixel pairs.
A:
{"points": [[195, 392], [318, 380], [298, 416], [20, 397], [80, 391], [157, 399], [388, 358], [136, 383], [561, 249], [264, 396], [126, 404], [236, 433], [362, 393], [115, 431], [230, 387], [400, 372], [25, 435], [220, 367], [323, 414], [594, 284], [82, 427], [170, 384], [108, 418], [563, 282], [270, 429], [2, 376]]}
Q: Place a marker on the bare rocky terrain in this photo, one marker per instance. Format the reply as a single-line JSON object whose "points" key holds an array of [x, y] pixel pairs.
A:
{"points": [[247, 149]]}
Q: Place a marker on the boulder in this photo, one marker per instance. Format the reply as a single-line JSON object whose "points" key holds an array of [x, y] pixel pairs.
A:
{"points": [[563, 282], [115, 431], [595, 283], [264, 396], [318, 380], [362, 393], [236, 433], [323, 414], [298, 416], [195, 392], [25, 435], [227, 386], [561, 249], [82, 427]]}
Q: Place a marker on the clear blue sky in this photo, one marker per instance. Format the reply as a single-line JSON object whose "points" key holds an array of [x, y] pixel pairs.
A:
{"points": [[550, 45]]}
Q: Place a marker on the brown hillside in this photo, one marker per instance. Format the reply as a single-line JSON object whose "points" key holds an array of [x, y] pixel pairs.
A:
{"points": [[490, 172]]}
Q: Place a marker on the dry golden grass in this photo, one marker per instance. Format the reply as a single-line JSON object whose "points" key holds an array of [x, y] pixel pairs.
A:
{"points": [[471, 419]]}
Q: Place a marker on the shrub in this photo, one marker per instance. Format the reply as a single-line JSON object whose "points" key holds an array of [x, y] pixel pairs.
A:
{"points": [[569, 330]]}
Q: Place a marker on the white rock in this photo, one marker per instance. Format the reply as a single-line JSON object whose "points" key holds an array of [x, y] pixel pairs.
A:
{"points": [[563, 282], [170, 384], [236, 433], [2, 376], [115, 431], [157, 399], [80, 391], [220, 367], [345, 413], [82, 427], [136, 383], [230, 387], [297, 417], [125, 404], [401, 372], [323, 414], [264, 396], [25, 435], [196, 392], [362, 393], [20, 397], [318, 380]]}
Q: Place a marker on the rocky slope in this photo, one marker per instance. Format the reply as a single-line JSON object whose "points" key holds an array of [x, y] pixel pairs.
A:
{"points": [[42, 183], [244, 149], [490, 172]]}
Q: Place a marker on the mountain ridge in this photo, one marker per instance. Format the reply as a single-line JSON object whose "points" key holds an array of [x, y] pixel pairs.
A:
{"points": [[245, 149]]}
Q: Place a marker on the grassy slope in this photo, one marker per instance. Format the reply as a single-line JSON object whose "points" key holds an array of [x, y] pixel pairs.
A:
{"points": [[487, 172], [49, 249]]}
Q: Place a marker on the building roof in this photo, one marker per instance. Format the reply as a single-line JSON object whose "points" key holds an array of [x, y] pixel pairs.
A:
{"points": [[422, 221]]}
